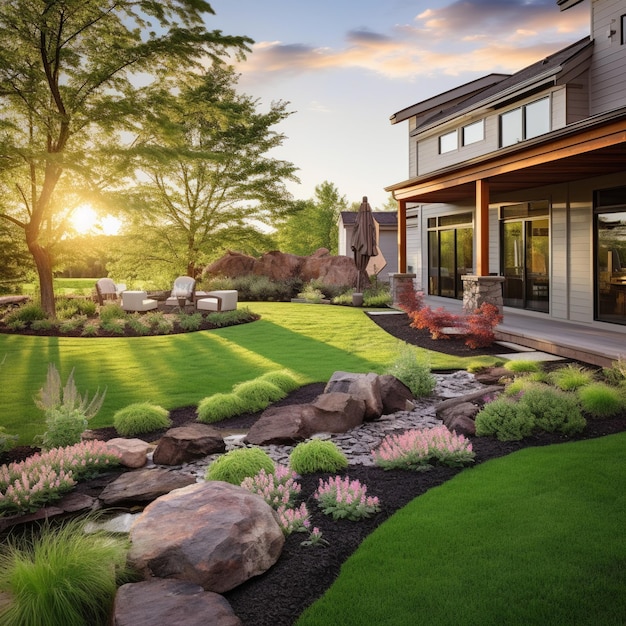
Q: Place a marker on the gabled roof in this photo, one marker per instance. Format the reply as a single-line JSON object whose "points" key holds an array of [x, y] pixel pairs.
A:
{"points": [[549, 70], [384, 218], [567, 4]]}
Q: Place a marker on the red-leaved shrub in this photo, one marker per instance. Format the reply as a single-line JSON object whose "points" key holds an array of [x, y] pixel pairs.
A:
{"points": [[434, 320], [409, 299], [480, 325]]}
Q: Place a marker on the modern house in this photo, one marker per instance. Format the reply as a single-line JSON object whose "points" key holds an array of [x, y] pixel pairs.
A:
{"points": [[387, 228], [520, 181]]}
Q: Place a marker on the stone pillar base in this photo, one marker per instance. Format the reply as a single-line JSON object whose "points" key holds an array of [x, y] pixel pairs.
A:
{"points": [[479, 289], [397, 282]]}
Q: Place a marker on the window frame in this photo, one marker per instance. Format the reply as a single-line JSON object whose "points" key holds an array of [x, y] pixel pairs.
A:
{"points": [[478, 123], [446, 136], [524, 121]]}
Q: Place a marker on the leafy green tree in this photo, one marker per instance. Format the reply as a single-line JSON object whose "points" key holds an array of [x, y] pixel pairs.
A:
{"points": [[313, 223], [71, 76], [209, 178]]}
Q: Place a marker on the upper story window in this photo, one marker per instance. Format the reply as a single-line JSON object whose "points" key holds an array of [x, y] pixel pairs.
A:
{"points": [[525, 122], [473, 133], [448, 142], [623, 29]]}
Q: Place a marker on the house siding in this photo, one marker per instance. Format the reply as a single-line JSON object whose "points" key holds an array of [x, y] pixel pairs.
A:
{"points": [[608, 88]]}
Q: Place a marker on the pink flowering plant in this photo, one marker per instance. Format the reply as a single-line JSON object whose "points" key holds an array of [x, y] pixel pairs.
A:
{"points": [[277, 489], [345, 499], [43, 478], [421, 449], [294, 520]]}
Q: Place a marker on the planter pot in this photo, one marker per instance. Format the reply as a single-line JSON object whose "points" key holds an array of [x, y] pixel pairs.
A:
{"points": [[357, 299]]}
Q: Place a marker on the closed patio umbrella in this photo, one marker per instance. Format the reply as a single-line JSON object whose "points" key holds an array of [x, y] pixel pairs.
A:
{"points": [[364, 243]]}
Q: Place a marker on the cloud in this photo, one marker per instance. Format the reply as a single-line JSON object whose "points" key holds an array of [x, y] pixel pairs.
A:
{"points": [[465, 36]]}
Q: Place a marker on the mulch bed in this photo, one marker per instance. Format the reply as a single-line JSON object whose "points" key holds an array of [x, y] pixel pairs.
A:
{"points": [[303, 574]]}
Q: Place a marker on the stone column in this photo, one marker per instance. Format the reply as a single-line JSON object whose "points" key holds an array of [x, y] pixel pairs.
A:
{"points": [[479, 289], [396, 282]]}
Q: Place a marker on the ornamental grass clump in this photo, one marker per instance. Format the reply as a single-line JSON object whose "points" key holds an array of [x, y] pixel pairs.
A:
{"points": [[44, 477], [139, 418], [505, 419], [317, 455], [571, 377], [601, 400], [414, 372], [257, 394], [237, 465], [421, 449], [60, 575], [343, 498], [523, 366], [281, 379], [219, 406]]}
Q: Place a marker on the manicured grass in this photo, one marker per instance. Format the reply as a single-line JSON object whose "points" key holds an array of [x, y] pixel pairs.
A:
{"points": [[65, 286], [310, 341], [533, 538]]}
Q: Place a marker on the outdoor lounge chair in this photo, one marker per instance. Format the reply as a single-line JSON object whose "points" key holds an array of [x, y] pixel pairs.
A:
{"points": [[224, 300], [184, 287], [138, 301], [107, 290]]}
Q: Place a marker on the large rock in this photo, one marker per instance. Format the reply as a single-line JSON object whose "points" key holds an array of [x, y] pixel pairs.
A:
{"points": [[329, 413], [134, 452], [278, 266], [395, 395], [187, 443], [159, 602], [213, 534], [365, 387], [143, 486], [460, 418]]}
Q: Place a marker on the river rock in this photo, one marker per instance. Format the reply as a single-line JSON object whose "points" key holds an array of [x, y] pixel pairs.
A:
{"points": [[134, 452], [365, 387], [213, 534]]}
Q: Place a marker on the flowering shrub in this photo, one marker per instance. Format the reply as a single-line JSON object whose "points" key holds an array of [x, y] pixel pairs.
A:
{"points": [[345, 499], [277, 489], [45, 477], [420, 449], [293, 520]]}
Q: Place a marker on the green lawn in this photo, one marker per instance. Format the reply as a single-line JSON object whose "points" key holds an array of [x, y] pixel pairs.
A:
{"points": [[174, 371], [534, 538]]}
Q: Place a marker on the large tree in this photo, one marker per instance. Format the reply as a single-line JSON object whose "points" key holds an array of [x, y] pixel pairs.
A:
{"points": [[72, 74], [314, 223], [209, 177]]}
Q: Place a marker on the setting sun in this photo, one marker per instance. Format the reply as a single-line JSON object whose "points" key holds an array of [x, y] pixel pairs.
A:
{"points": [[86, 220]]}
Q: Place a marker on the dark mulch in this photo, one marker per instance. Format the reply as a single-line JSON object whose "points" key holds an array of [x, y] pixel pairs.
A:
{"points": [[302, 574]]}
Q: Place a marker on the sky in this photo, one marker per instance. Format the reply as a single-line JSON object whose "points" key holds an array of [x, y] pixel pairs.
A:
{"points": [[346, 66]]}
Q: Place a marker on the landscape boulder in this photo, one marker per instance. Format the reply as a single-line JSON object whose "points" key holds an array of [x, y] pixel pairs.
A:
{"points": [[395, 395], [364, 387], [160, 602], [134, 452], [187, 443], [460, 418], [143, 486], [213, 534]]}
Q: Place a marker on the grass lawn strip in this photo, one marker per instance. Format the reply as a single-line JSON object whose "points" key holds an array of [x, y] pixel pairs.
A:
{"points": [[531, 538]]}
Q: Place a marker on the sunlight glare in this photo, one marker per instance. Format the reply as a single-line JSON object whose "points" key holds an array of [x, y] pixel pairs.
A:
{"points": [[110, 225], [84, 219]]}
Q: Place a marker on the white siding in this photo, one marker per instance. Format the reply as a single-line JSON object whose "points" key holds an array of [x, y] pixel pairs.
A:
{"points": [[608, 88]]}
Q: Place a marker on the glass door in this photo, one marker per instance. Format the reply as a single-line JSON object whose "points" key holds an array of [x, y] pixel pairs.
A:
{"points": [[526, 263]]}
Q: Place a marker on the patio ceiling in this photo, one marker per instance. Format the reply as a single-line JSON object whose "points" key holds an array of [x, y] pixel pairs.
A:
{"points": [[574, 153]]}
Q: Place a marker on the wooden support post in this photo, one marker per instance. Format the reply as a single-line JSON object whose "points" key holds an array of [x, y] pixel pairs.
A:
{"points": [[402, 236], [481, 232]]}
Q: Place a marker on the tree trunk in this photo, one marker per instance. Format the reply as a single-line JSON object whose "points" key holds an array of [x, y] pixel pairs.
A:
{"points": [[44, 269]]}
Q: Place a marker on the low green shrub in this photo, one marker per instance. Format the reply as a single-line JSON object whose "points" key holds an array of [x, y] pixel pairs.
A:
{"points": [[311, 294], [112, 311], [73, 324], [230, 318], [219, 406], [282, 379], [237, 465], [505, 419], [190, 322], [113, 326], [256, 288], [141, 417], [138, 326], [523, 366], [66, 308], [601, 400], [27, 313], [554, 410], [7, 442], [616, 374], [317, 455], [61, 576], [378, 300], [257, 394], [519, 385], [413, 371], [43, 325], [90, 329], [571, 377]]}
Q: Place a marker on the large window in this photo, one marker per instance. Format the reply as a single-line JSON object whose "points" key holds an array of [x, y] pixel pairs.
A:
{"points": [[448, 142], [472, 133], [450, 254], [525, 122], [610, 254]]}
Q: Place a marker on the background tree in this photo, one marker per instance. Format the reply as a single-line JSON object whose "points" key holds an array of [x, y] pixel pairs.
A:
{"points": [[313, 223], [69, 69], [209, 178]]}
